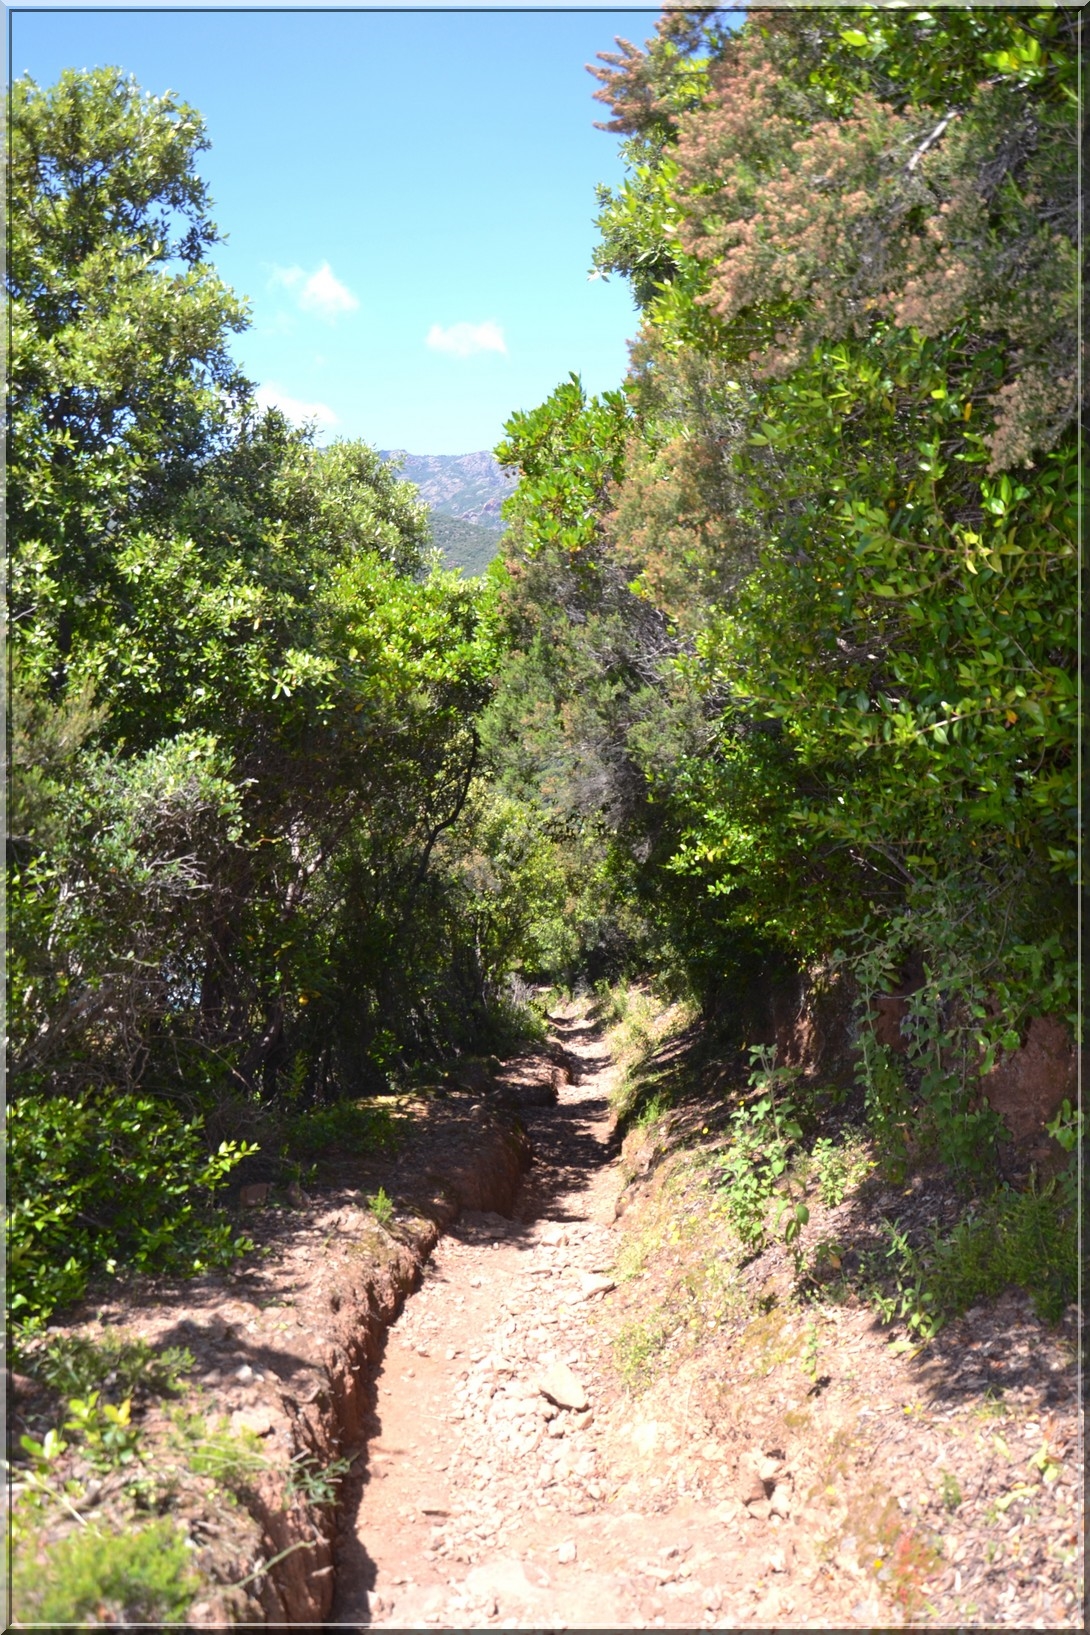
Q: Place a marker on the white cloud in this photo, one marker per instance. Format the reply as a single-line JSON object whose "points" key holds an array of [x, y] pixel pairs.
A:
{"points": [[320, 292], [298, 412], [463, 340]]}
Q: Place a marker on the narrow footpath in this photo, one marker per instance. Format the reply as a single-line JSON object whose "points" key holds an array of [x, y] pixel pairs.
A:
{"points": [[481, 1501]]}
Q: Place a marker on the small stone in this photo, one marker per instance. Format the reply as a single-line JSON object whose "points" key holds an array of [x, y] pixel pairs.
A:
{"points": [[751, 1490], [244, 1374], [566, 1552], [560, 1385], [776, 1561], [713, 1598], [868, 1612], [592, 1283], [846, 1557], [258, 1421]]}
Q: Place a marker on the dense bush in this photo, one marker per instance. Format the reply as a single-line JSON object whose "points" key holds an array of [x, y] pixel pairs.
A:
{"points": [[141, 1577], [107, 1179]]}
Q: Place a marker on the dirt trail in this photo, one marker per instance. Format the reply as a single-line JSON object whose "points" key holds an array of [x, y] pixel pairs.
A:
{"points": [[482, 1501]]}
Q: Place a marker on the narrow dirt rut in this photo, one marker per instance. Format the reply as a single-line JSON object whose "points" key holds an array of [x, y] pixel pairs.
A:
{"points": [[481, 1502]]}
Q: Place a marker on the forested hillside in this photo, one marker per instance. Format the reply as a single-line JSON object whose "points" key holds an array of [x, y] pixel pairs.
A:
{"points": [[464, 494], [466, 545], [771, 689], [470, 486]]}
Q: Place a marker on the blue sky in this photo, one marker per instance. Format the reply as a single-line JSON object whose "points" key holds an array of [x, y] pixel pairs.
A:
{"points": [[408, 200]]}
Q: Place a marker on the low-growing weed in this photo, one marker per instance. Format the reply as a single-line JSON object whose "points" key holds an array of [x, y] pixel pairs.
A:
{"points": [[951, 1490], [313, 1483], [635, 1347], [762, 1134], [75, 1365], [633, 1015], [1025, 1240], [381, 1206], [142, 1576], [901, 1558], [233, 1461], [611, 1001], [653, 1110], [767, 1341], [993, 1406], [108, 1435], [904, 1564], [839, 1168], [914, 1300]]}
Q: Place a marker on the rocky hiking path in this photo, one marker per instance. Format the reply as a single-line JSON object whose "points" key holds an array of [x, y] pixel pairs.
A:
{"points": [[791, 1469]]}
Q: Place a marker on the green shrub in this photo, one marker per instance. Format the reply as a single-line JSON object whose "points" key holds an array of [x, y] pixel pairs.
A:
{"points": [[350, 1125], [140, 1577], [105, 1180], [1025, 1240], [109, 1437]]}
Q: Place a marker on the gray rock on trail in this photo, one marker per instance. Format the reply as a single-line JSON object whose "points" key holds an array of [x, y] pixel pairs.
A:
{"points": [[592, 1283], [756, 1474], [560, 1385]]}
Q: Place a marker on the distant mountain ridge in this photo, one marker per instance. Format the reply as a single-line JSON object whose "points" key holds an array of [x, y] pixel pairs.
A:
{"points": [[471, 487]]}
